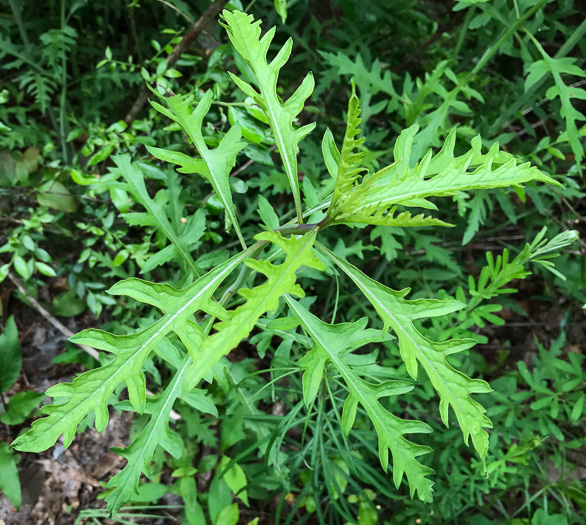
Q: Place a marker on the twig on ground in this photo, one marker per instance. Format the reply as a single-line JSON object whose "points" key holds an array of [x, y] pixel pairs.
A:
{"points": [[47, 315], [207, 16]]}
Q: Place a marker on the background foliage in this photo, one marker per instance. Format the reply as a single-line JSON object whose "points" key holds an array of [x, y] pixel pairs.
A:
{"points": [[90, 196]]}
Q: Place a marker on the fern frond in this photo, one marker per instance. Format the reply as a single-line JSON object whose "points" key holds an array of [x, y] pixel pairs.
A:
{"points": [[334, 344], [39, 86], [453, 387], [244, 33], [215, 164], [91, 390]]}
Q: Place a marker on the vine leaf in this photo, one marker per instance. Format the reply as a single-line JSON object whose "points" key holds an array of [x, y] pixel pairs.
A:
{"points": [[281, 279], [334, 344], [91, 390], [215, 164], [453, 387], [373, 198], [244, 33]]}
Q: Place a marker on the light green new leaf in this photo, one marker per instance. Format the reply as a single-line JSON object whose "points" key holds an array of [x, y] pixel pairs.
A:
{"points": [[373, 198], [330, 153], [235, 478], [334, 344], [91, 390], [453, 387], [155, 216], [349, 168], [443, 174], [281, 279], [215, 164], [281, 8], [140, 452], [244, 33]]}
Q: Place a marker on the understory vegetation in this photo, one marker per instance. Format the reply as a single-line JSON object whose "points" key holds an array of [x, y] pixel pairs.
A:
{"points": [[327, 256]]}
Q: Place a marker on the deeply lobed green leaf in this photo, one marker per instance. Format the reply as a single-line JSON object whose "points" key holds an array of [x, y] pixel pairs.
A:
{"points": [[215, 164], [244, 33], [453, 387], [334, 344], [557, 67], [155, 215], [349, 168], [281, 279], [91, 390], [140, 452], [373, 198]]}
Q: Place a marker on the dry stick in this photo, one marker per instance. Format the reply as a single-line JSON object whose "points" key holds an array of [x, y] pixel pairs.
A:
{"points": [[55, 322], [64, 330], [207, 16]]}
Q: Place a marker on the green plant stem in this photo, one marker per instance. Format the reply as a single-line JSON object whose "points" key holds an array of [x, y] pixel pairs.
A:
{"points": [[300, 229], [23, 34], [63, 97], [229, 104], [567, 46], [462, 36], [506, 33]]}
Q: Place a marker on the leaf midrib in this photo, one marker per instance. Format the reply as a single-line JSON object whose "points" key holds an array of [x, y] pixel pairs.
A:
{"points": [[159, 334], [263, 71], [429, 368], [199, 142]]}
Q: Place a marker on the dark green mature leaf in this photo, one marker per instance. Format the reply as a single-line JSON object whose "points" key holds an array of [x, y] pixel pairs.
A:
{"points": [[244, 33], [369, 82], [10, 355], [453, 387]]}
